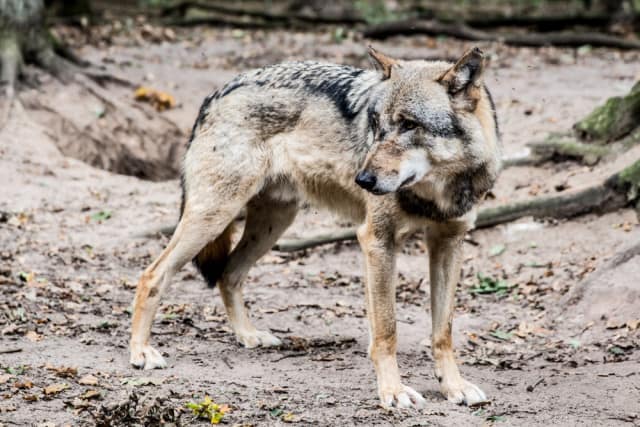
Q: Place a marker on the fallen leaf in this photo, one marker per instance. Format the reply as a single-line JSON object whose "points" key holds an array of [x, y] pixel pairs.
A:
{"points": [[208, 409], [138, 382], [501, 335], [90, 394], [63, 371], [289, 417], [616, 350], [26, 277], [101, 216], [159, 100], [78, 403], [88, 380], [497, 250], [5, 378], [23, 385], [614, 324], [18, 370], [55, 388]]}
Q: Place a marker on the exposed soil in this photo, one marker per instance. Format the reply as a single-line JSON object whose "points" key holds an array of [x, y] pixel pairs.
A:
{"points": [[560, 346]]}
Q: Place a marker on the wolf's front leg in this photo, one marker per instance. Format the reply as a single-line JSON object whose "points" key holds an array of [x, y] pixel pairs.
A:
{"points": [[377, 239], [445, 254]]}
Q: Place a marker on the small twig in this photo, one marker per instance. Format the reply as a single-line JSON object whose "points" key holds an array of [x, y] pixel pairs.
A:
{"points": [[530, 388], [226, 361], [290, 355], [11, 350], [292, 245]]}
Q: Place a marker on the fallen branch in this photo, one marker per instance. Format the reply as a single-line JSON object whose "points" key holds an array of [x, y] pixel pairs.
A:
{"points": [[292, 245], [283, 13], [465, 32], [618, 191], [598, 197], [560, 147]]}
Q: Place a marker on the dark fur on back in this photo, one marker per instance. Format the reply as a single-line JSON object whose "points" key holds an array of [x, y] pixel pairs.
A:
{"points": [[335, 82]]}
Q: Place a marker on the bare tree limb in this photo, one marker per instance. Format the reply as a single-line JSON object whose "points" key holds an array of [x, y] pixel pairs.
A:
{"points": [[616, 192], [465, 32]]}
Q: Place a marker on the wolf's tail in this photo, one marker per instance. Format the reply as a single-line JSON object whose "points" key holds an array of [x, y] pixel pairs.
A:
{"points": [[213, 258]]}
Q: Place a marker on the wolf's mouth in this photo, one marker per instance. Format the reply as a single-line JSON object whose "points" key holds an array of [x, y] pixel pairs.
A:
{"points": [[408, 180], [377, 192]]}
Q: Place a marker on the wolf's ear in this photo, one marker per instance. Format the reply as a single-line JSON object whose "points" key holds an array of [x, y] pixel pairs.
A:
{"points": [[382, 62], [465, 77]]}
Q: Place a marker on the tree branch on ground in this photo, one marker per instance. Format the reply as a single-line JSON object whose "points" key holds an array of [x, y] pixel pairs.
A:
{"points": [[619, 190], [463, 31]]}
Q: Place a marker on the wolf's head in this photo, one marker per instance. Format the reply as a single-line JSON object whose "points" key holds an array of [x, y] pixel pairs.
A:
{"points": [[431, 123]]}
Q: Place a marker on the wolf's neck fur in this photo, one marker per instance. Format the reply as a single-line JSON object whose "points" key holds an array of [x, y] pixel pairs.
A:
{"points": [[458, 196]]}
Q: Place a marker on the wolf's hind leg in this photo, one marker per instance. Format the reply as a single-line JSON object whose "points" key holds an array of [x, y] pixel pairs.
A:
{"points": [[187, 240], [191, 234], [211, 204], [267, 219]]}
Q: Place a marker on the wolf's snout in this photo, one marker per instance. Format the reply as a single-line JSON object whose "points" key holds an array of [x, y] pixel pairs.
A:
{"points": [[366, 180]]}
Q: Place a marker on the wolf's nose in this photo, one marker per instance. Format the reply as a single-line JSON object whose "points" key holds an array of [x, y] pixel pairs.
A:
{"points": [[366, 180]]}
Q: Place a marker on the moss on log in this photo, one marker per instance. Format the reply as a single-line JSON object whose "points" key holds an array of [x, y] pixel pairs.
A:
{"points": [[557, 148], [628, 181], [613, 120]]}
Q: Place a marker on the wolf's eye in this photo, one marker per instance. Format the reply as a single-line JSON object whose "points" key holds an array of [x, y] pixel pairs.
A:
{"points": [[407, 125]]}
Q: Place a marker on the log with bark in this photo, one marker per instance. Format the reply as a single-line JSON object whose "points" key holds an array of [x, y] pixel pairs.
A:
{"points": [[619, 190], [465, 32], [543, 15]]}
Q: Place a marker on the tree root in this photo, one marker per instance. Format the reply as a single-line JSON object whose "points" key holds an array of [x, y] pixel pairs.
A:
{"points": [[465, 32], [618, 191], [293, 245], [560, 147], [65, 70]]}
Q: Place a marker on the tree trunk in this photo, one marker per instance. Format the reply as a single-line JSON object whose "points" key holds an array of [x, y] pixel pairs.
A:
{"points": [[151, 153], [22, 36]]}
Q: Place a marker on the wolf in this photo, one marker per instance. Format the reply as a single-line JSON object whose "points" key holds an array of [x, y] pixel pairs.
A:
{"points": [[404, 146]]}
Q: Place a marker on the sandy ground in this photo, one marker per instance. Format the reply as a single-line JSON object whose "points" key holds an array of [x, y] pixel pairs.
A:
{"points": [[71, 253]]}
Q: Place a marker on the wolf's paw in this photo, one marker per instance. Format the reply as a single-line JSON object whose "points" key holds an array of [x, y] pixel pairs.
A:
{"points": [[147, 357], [258, 339], [401, 397], [462, 392]]}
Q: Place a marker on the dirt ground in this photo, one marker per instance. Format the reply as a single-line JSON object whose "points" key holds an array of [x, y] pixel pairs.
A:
{"points": [[560, 346]]}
